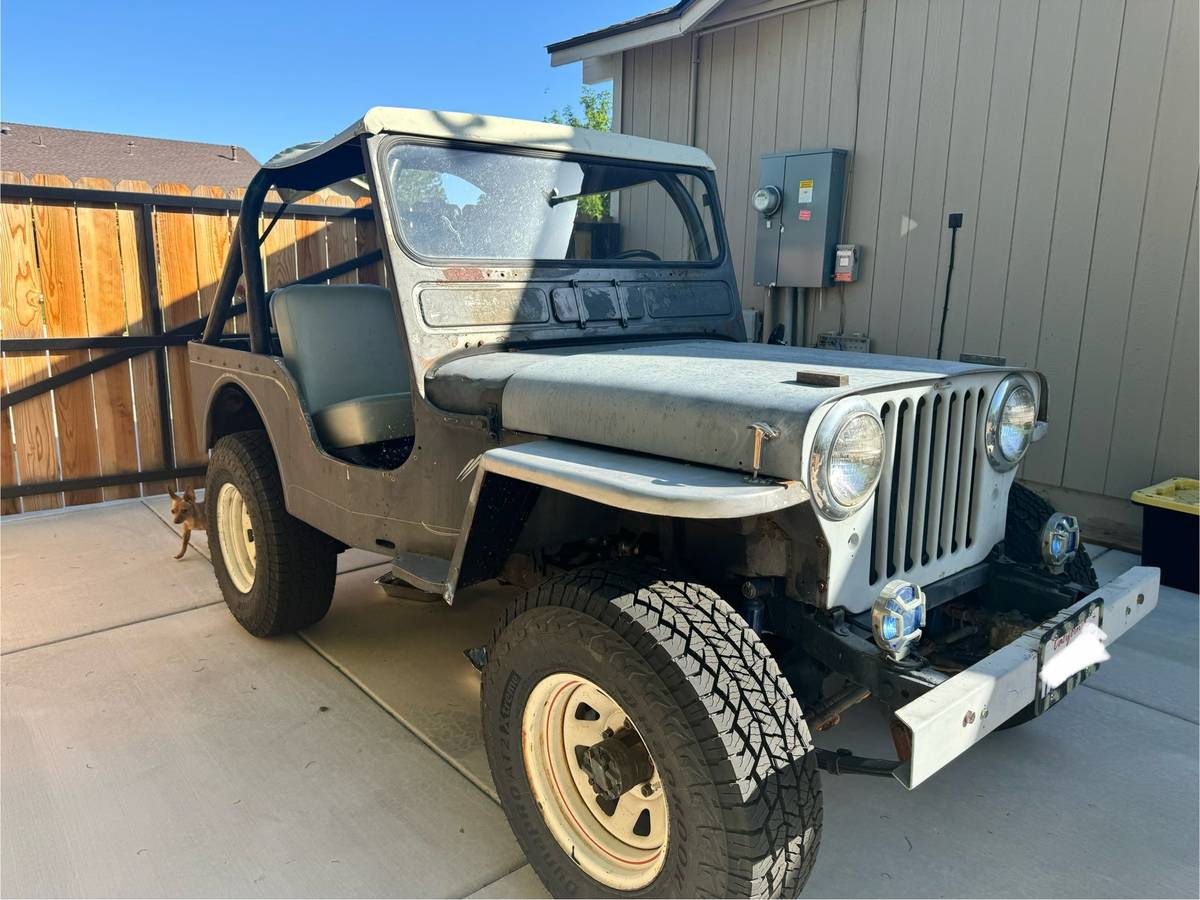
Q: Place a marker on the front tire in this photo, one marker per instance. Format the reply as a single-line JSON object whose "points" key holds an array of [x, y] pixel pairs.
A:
{"points": [[731, 798], [276, 572]]}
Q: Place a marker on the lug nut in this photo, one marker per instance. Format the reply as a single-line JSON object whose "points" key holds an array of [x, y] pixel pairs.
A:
{"points": [[607, 732], [647, 790]]}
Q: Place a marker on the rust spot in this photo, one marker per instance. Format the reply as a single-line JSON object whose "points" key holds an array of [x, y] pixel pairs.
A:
{"points": [[462, 273], [902, 739], [968, 717]]}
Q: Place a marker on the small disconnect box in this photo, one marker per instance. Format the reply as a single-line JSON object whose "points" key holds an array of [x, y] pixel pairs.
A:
{"points": [[1171, 530], [799, 209]]}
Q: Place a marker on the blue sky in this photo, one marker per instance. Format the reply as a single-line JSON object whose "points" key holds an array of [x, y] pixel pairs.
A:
{"points": [[267, 75]]}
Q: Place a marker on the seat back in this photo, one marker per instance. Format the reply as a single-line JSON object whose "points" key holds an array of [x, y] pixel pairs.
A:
{"points": [[340, 341]]}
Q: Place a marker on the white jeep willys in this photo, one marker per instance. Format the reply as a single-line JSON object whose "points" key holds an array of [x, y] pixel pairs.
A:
{"points": [[726, 544]]}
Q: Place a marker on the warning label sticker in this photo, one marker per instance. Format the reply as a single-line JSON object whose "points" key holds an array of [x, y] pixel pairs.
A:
{"points": [[806, 189]]}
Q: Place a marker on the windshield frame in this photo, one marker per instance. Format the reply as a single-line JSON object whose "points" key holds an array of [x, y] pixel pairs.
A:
{"points": [[706, 177]]}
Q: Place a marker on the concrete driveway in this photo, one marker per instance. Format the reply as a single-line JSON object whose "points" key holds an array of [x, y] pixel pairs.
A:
{"points": [[151, 748]]}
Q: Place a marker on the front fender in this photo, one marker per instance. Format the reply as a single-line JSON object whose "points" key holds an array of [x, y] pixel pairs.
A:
{"points": [[508, 479]]}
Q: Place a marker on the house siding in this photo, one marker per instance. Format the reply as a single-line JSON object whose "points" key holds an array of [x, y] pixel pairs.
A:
{"points": [[1065, 132]]}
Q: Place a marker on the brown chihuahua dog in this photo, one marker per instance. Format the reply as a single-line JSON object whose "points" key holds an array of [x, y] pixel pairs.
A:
{"points": [[187, 512]]}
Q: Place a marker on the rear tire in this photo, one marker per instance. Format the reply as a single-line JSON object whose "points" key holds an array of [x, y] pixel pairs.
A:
{"points": [[729, 748], [276, 572]]}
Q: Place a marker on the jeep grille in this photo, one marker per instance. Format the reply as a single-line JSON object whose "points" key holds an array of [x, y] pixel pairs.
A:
{"points": [[928, 500]]}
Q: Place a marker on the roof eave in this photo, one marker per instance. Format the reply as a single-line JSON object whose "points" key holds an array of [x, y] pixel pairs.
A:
{"points": [[670, 23]]}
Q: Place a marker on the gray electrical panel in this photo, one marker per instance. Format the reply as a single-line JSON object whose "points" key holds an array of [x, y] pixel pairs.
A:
{"points": [[799, 210]]}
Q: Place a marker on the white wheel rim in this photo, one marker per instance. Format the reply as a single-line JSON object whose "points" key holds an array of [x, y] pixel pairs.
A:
{"points": [[621, 849], [236, 534]]}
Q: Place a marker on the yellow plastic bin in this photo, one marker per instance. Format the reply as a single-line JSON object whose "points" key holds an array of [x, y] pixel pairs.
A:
{"points": [[1171, 530]]}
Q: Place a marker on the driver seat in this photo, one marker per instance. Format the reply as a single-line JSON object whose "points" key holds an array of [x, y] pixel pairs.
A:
{"points": [[341, 344]]}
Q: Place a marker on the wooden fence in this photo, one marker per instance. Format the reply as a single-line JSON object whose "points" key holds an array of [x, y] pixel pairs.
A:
{"points": [[99, 297]]}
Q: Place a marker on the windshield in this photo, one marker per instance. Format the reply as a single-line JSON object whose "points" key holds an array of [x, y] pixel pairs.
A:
{"points": [[454, 203]]}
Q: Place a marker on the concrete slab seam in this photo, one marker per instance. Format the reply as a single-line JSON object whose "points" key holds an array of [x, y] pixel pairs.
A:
{"points": [[416, 732]]}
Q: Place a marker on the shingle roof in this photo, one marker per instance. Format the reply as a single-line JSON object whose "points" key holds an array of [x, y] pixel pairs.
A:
{"points": [[37, 149], [653, 18]]}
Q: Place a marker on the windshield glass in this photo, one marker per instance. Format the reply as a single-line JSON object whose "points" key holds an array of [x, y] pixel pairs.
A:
{"points": [[453, 203]]}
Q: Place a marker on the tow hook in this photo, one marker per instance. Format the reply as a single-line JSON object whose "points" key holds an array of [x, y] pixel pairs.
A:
{"points": [[843, 762]]}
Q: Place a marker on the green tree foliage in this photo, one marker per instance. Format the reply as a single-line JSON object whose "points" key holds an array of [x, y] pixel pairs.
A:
{"points": [[419, 185], [597, 115]]}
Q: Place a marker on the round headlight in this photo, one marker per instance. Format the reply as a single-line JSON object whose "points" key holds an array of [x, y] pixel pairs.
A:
{"points": [[1010, 422], [847, 456]]}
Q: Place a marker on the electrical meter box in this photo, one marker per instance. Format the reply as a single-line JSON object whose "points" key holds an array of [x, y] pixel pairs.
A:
{"points": [[799, 209]]}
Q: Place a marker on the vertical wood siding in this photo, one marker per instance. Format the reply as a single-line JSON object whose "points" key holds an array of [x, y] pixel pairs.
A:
{"points": [[1064, 131]]}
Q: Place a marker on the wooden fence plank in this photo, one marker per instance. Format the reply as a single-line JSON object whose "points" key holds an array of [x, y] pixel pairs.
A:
{"points": [[100, 262], [179, 298], [135, 275], [368, 240], [212, 227], [341, 238], [236, 324], [311, 234], [21, 317], [279, 249], [8, 464], [56, 230]]}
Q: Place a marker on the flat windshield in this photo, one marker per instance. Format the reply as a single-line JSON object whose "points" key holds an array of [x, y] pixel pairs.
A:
{"points": [[454, 203]]}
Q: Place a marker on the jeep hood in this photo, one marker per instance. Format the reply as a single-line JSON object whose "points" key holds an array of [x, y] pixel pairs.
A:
{"points": [[688, 400]]}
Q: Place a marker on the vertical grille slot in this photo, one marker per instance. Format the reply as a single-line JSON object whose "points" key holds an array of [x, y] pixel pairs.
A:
{"points": [[920, 506], [937, 473], [966, 470], [902, 490], [950, 485], [976, 487], [883, 495]]}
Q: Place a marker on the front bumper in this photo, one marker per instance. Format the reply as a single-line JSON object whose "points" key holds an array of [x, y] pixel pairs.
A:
{"points": [[963, 710]]}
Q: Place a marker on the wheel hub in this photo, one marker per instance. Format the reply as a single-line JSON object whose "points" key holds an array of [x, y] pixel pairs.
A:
{"points": [[616, 764]]}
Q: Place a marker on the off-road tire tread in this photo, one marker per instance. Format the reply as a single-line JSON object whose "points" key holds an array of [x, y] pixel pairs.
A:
{"points": [[295, 587], [740, 707]]}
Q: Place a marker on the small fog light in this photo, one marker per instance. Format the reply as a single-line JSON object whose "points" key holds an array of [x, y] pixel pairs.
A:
{"points": [[1060, 540], [897, 617]]}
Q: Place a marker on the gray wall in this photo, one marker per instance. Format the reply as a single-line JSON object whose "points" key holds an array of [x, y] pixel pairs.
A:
{"points": [[1066, 132]]}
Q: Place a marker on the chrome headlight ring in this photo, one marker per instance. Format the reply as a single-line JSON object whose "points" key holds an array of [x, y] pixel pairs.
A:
{"points": [[1011, 388], [844, 413]]}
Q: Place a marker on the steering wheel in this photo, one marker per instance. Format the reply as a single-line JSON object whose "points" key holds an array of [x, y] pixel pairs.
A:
{"points": [[645, 254]]}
